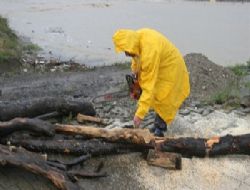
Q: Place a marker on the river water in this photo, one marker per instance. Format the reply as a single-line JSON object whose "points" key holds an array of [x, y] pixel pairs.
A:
{"points": [[82, 29]]}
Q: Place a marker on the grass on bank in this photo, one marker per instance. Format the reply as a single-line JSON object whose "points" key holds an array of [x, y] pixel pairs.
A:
{"points": [[11, 47], [9, 43], [241, 69]]}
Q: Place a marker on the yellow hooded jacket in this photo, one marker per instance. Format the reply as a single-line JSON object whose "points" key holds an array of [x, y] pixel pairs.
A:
{"points": [[162, 72]]}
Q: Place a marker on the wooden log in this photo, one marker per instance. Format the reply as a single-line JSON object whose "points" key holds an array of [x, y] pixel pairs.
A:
{"points": [[94, 147], [164, 159], [35, 163], [136, 136], [35, 107], [35, 125], [83, 118], [186, 146], [231, 145], [214, 146]]}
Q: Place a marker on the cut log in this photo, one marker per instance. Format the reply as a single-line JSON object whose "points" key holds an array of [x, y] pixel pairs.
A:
{"points": [[83, 118], [231, 145], [35, 107], [164, 159], [35, 125], [35, 163]]}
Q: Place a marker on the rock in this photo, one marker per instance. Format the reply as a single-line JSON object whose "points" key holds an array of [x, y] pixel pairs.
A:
{"points": [[245, 101], [195, 104], [246, 110], [239, 112], [207, 111], [184, 112]]}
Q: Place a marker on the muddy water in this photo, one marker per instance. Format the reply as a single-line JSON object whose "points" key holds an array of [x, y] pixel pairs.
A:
{"points": [[82, 30]]}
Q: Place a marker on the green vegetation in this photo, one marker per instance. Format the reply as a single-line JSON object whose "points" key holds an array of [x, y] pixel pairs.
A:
{"points": [[229, 96], [221, 97], [9, 44], [11, 47], [31, 48], [241, 69]]}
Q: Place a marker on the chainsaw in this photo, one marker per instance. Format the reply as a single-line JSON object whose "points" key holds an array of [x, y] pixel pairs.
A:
{"points": [[134, 91]]}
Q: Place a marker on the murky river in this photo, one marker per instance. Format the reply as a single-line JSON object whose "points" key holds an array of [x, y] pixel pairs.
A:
{"points": [[82, 29]]}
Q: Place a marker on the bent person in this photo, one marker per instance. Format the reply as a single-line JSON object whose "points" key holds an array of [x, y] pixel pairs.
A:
{"points": [[161, 73]]}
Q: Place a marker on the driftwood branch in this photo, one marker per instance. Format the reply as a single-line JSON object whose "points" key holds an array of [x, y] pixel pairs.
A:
{"points": [[35, 163], [35, 125], [83, 118]]}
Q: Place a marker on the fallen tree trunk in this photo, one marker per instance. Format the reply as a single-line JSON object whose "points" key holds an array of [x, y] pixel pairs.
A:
{"points": [[35, 163], [36, 107], [187, 146]]}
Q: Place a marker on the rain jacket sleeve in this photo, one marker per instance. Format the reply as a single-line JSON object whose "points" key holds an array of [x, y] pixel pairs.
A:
{"points": [[150, 61]]}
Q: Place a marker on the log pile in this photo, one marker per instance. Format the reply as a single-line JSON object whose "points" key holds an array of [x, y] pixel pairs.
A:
{"points": [[85, 142]]}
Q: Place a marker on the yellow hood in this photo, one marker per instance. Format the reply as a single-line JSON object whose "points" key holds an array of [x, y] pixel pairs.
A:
{"points": [[126, 40]]}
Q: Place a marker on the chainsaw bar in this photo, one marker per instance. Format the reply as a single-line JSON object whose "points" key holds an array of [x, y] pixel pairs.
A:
{"points": [[109, 97]]}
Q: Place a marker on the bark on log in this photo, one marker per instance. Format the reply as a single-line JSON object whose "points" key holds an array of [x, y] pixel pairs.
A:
{"points": [[36, 107], [35, 163], [35, 125]]}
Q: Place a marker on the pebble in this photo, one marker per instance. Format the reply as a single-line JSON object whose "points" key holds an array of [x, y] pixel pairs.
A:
{"points": [[246, 110], [207, 111], [184, 112], [240, 113]]}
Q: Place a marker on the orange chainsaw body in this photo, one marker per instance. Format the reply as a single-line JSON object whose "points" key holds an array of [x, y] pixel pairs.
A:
{"points": [[134, 87]]}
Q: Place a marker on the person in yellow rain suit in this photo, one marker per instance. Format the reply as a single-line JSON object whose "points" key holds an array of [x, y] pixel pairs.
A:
{"points": [[161, 72]]}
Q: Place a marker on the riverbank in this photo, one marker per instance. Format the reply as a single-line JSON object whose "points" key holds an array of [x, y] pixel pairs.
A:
{"points": [[130, 171]]}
